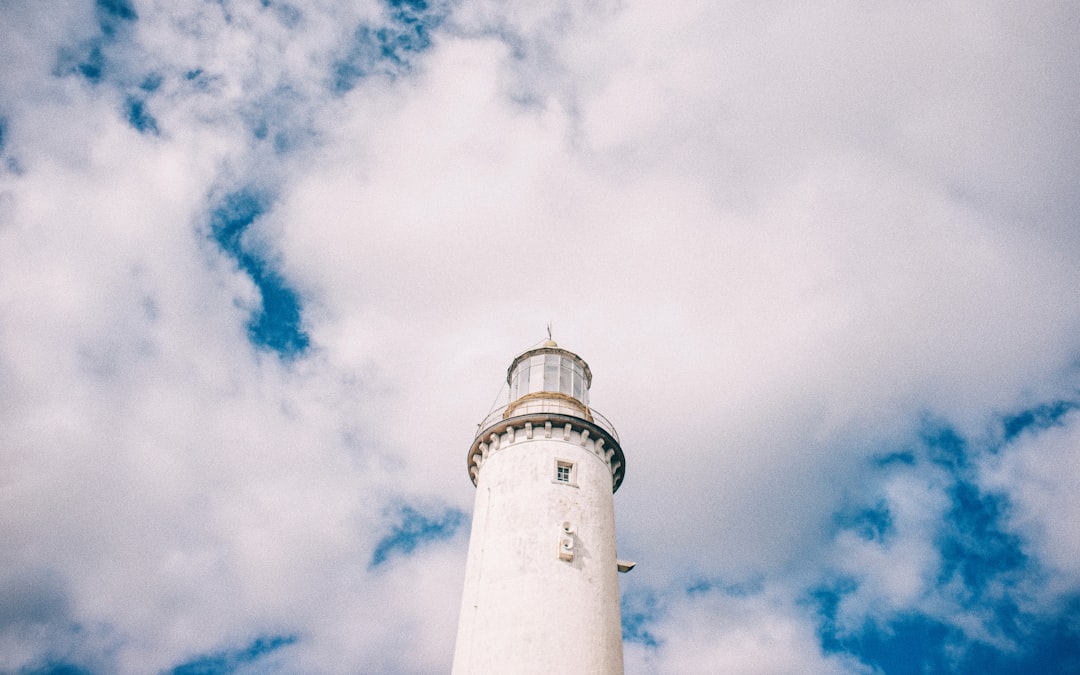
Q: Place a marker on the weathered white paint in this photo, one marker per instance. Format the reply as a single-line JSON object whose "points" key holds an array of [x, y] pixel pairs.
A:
{"points": [[539, 598]]}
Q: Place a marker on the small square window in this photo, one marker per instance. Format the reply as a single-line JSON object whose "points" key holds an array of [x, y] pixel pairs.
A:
{"points": [[564, 472]]}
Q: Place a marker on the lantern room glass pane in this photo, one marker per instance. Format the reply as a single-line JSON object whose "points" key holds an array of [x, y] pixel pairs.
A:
{"points": [[577, 384], [551, 372], [521, 381], [536, 376], [564, 379]]}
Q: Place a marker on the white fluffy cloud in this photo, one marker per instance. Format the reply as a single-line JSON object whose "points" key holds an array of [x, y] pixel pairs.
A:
{"points": [[711, 631], [1041, 476], [784, 237]]}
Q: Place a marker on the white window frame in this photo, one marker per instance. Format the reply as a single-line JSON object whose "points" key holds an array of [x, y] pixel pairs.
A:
{"points": [[572, 473]]}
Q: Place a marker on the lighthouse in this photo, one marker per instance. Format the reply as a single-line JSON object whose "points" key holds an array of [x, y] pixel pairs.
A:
{"points": [[541, 581]]}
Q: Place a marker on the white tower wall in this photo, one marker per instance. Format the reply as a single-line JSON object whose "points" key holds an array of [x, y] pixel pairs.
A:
{"points": [[541, 582]]}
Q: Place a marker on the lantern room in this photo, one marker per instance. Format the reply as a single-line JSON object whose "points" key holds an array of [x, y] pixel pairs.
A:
{"points": [[549, 379]]}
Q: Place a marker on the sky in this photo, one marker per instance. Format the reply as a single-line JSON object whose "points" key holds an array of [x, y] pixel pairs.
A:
{"points": [[263, 267]]}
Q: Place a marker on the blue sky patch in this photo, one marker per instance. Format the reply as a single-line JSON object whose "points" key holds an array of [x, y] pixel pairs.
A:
{"points": [[151, 82], [639, 611], [735, 590], [115, 10], [944, 446], [139, 117], [112, 16], [57, 669], [872, 524], [280, 119], [905, 457], [277, 324], [826, 600], [230, 661], [974, 544], [91, 66], [413, 529], [984, 571], [387, 49], [1037, 418], [912, 645], [88, 59], [289, 15], [915, 644]]}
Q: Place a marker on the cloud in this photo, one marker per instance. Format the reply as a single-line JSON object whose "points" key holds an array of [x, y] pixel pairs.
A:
{"points": [[713, 630], [265, 265], [948, 572], [1038, 473], [388, 49]]}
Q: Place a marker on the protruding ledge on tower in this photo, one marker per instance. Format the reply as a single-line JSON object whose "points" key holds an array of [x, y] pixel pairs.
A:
{"points": [[598, 441]]}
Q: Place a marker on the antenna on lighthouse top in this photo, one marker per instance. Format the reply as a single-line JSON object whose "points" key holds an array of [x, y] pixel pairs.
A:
{"points": [[550, 342]]}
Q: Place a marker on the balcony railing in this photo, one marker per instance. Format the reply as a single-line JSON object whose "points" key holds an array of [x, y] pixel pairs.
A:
{"points": [[553, 407]]}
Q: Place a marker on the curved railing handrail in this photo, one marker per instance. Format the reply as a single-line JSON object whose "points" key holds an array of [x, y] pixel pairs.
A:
{"points": [[492, 417], [497, 414], [605, 424]]}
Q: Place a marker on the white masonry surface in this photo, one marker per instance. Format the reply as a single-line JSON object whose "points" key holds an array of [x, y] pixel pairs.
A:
{"points": [[541, 582]]}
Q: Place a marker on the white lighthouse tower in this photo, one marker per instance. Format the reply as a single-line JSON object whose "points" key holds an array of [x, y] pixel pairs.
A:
{"points": [[541, 582]]}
